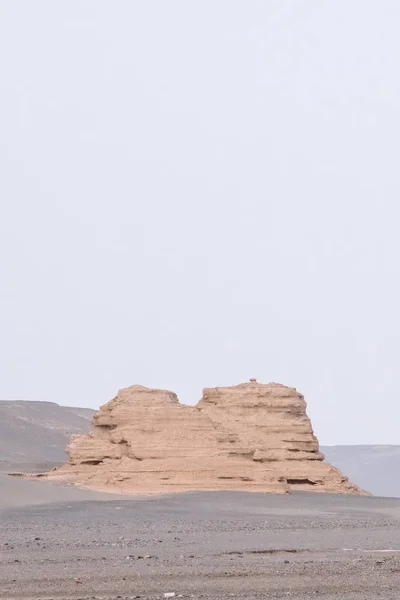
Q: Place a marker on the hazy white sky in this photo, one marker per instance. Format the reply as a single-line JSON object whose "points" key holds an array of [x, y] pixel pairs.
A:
{"points": [[195, 192]]}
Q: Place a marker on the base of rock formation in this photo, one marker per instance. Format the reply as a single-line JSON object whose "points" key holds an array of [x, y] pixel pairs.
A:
{"points": [[251, 437]]}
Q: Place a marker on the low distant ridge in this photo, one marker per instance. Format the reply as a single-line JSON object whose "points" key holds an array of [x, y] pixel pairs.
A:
{"points": [[33, 434], [251, 436]]}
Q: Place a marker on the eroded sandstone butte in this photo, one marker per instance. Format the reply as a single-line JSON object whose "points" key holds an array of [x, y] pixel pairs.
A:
{"points": [[251, 436]]}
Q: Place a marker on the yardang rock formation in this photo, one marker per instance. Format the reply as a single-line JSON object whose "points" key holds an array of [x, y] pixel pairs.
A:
{"points": [[251, 436]]}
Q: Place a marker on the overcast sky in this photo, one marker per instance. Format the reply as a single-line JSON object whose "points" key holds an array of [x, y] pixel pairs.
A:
{"points": [[195, 192]]}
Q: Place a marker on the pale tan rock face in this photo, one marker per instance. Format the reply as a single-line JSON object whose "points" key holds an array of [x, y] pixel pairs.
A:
{"points": [[251, 436]]}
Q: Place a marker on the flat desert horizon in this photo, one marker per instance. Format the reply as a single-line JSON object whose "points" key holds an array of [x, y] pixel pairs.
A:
{"points": [[58, 541]]}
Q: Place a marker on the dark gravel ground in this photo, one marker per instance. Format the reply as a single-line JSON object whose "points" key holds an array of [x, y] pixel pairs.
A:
{"points": [[200, 545]]}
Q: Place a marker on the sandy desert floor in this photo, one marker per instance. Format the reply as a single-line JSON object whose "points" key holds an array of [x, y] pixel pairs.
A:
{"points": [[60, 542]]}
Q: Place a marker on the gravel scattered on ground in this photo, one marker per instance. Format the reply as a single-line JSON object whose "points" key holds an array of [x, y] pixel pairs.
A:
{"points": [[72, 544]]}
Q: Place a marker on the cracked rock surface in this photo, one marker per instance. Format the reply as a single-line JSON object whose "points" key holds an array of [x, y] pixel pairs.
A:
{"points": [[252, 436]]}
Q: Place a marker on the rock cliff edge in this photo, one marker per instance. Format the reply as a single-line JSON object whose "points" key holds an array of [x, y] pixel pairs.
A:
{"points": [[252, 436]]}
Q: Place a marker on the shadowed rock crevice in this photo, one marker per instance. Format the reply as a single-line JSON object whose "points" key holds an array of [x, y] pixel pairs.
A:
{"points": [[303, 481], [251, 436]]}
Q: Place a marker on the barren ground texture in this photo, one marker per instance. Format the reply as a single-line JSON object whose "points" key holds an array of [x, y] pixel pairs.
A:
{"points": [[60, 542]]}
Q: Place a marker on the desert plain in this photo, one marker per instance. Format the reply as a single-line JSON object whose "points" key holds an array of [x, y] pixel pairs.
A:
{"points": [[90, 529], [60, 542]]}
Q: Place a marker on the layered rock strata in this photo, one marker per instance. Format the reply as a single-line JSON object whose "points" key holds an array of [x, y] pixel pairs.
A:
{"points": [[252, 436]]}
